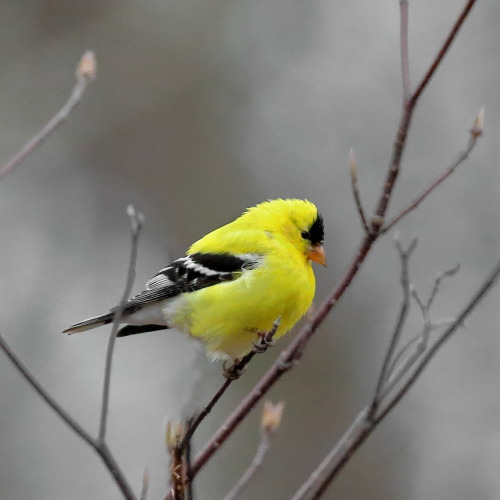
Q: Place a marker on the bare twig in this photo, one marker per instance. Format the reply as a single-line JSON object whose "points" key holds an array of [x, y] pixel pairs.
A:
{"points": [[136, 221], [425, 308], [443, 51], [346, 442], [365, 423], [405, 59], [355, 190], [112, 465], [400, 323], [85, 73], [198, 419], [435, 289], [475, 132], [485, 287], [399, 369], [35, 384], [253, 468], [271, 419]]}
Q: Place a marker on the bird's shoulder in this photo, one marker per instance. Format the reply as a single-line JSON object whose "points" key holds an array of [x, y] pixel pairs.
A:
{"points": [[193, 272], [235, 238], [272, 246]]}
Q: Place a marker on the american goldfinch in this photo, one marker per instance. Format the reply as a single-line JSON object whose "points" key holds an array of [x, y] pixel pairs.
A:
{"points": [[234, 283]]}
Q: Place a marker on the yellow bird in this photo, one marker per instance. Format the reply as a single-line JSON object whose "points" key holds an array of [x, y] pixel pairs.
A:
{"points": [[233, 283]]}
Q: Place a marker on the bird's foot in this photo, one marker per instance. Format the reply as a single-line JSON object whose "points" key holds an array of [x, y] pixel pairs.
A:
{"points": [[265, 339], [263, 343], [233, 372]]}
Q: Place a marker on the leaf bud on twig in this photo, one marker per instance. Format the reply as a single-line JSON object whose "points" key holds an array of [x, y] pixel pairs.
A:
{"points": [[271, 416], [477, 128], [87, 67]]}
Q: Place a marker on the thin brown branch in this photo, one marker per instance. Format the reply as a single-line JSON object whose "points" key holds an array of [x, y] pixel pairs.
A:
{"points": [[353, 168], [385, 372], [435, 288], [345, 443], [136, 221], [253, 468], [485, 287], [425, 311], [462, 156], [85, 73], [270, 421], [399, 369], [364, 424], [44, 394], [442, 51], [115, 470], [198, 419], [405, 59]]}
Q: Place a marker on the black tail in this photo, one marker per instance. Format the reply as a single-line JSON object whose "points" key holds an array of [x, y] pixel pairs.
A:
{"points": [[90, 323], [133, 329]]}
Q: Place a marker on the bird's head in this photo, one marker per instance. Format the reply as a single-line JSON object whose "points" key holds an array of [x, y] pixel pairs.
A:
{"points": [[298, 220]]}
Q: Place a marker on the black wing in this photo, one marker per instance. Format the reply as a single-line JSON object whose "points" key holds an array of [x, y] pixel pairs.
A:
{"points": [[191, 273]]}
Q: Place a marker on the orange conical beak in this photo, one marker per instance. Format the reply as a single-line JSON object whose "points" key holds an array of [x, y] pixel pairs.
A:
{"points": [[317, 253]]}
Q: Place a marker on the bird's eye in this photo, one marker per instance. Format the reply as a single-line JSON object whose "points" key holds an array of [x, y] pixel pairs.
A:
{"points": [[305, 234]]}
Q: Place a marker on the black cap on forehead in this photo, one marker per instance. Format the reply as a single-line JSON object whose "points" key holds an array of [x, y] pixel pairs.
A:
{"points": [[317, 231]]}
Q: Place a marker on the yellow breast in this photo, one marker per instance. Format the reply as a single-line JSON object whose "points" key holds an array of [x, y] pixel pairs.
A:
{"points": [[228, 316]]}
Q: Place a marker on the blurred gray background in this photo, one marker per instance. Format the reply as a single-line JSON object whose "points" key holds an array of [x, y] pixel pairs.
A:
{"points": [[200, 109]]}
